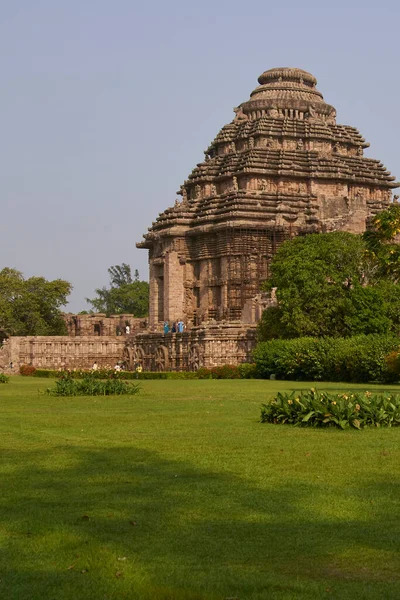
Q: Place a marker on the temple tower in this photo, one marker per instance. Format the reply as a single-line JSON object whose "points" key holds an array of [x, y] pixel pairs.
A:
{"points": [[281, 167]]}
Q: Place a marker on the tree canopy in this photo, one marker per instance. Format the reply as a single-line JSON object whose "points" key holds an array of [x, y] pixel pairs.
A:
{"points": [[336, 284], [125, 295], [31, 306]]}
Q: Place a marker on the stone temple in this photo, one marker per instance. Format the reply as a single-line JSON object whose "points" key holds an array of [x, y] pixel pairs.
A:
{"points": [[282, 167]]}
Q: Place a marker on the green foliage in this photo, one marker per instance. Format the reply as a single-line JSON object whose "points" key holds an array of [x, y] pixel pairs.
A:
{"points": [[31, 306], [314, 275], [357, 359], [89, 385], [4, 378], [380, 242], [334, 284], [322, 409], [124, 296], [223, 372]]}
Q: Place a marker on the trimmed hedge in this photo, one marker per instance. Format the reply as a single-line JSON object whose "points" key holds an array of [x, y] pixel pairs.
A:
{"points": [[243, 371], [359, 359]]}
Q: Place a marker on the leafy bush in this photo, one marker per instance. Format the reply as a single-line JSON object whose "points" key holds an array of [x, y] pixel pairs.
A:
{"points": [[223, 372], [4, 378], [357, 359], [322, 409], [66, 385], [27, 370], [393, 364], [248, 371]]}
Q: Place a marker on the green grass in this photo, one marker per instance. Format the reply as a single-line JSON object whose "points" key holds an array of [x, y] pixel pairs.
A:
{"points": [[181, 493]]}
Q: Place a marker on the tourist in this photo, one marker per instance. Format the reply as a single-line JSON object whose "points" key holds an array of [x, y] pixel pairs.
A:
{"points": [[174, 327], [127, 330], [181, 326], [95, 367], [117, 368], [138, 370], [166, 327]]}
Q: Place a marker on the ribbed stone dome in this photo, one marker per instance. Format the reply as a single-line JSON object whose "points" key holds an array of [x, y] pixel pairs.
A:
{"points": [[287, 88]]}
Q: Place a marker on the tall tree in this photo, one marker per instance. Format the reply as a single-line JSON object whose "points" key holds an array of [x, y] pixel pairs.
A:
{"points": [[31, 306], [329, 284], [124, 296]]}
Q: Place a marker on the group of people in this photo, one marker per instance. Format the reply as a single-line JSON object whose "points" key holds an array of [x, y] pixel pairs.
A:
{"points": [[120, 366], [177, 327]]}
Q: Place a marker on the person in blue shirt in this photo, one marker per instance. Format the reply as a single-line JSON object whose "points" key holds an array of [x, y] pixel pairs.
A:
{"points": [[166, 327]]}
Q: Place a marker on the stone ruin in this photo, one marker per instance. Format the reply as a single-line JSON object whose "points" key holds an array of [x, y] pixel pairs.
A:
{"points": [[282, 167], [98, 324]]}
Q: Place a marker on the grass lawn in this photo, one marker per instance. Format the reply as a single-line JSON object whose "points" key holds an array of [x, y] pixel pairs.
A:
{"points": [[180, 493]]}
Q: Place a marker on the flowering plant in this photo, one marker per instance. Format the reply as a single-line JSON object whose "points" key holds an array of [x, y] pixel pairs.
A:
{"points": [[322, 409]]}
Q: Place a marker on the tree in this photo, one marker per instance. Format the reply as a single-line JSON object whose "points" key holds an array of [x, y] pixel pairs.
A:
{"points": [[329, 285], [31, 306], [380, 240], [126, 295]]}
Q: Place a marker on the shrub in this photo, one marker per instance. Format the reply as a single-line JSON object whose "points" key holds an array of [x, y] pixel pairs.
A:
{"points": [[360, 358], [4, 378], [248, 371], [67, 385], [27, 370], [322, 409], [223, 372]]}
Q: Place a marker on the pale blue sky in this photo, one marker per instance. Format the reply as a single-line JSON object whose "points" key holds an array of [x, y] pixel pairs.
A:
{"points": [[106, 106]]}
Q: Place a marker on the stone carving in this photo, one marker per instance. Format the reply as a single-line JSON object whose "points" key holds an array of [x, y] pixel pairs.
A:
{"points": [[194, 358], [262, 185], [239, 114], [161, 359], [273, 112]]}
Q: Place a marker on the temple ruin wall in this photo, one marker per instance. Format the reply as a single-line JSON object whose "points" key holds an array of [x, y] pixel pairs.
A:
{"points": [[60, 352]]}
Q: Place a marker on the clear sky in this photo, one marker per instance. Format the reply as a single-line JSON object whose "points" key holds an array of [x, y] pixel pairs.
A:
{"points": [[106, 106]]}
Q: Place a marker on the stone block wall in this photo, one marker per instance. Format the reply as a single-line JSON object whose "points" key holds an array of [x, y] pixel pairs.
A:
{"points": [[60, 352], [214, 345]]}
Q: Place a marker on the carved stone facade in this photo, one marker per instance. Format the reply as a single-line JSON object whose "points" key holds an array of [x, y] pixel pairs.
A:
{"points": [[206, 346], [282, 167], [60, 352]]}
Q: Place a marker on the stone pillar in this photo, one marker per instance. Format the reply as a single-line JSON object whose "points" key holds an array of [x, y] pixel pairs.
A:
{"points": [[224, 285], [174, 292], [203, 288], [153, 304], [157, 306]]}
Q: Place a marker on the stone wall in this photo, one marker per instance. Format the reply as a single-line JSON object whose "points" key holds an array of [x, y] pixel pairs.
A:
{"points": [[60, 352], [210, 346], [98, 324]]}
